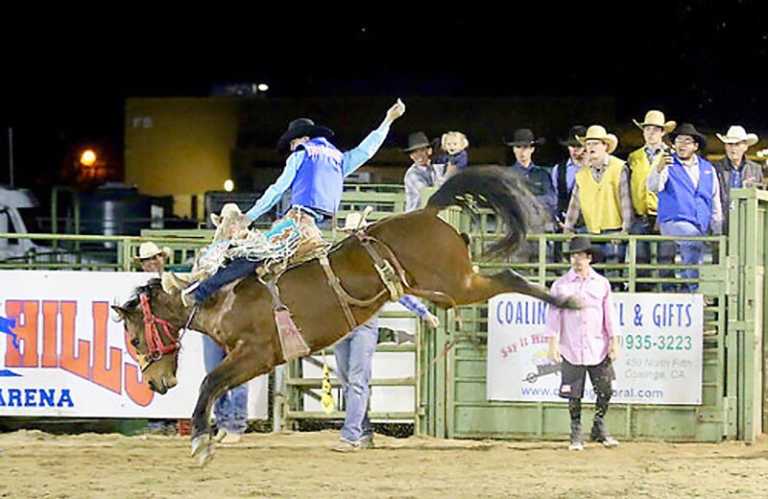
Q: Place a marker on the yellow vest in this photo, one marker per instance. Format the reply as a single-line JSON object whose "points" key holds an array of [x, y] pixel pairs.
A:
{"points": [[600, 203], [644, 201]]}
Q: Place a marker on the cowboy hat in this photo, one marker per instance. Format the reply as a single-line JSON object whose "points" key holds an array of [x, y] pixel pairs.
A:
{"points": [[737, 134], [597, 132], [150, 250], [575, 131], [690, 130], [582, 245], [302, 127], [656, 118], [417, 140], [524, 137]]}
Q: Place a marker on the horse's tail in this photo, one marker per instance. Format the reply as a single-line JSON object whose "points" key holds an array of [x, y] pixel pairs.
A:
{"points": [[489, 187]]}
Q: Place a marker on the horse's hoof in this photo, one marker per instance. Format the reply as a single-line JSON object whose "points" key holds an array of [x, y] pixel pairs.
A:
{"points": [[570, 303], [200, 442], [206, 455]]}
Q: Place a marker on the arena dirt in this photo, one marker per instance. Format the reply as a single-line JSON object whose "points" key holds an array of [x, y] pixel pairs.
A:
{"points": [[35, 464]]}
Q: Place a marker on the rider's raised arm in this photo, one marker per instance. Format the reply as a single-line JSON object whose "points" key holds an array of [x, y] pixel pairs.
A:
{"points": [[275, 191], [354, 159]]}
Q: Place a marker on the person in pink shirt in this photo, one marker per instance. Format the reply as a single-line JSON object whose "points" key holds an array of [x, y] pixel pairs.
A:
{"points": [[584, 340]]}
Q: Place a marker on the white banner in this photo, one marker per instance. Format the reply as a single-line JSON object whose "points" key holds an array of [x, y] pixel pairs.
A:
{"points": [[660, 360], [72, 358]]}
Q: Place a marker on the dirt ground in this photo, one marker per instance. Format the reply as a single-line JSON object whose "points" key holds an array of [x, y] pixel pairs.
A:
{"points": [[35, 464]]}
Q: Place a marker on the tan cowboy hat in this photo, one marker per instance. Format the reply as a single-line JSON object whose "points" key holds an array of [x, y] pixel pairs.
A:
{"points": [[150, 250], [597, 132], [656, 118], [737, 134]]}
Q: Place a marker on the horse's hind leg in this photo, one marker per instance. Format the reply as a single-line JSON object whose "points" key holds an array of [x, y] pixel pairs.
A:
{"points": [[239, 366], [478, 288]]}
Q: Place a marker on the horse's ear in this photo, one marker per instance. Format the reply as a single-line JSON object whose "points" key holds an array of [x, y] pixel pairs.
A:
{"points": [[216, 219], [121, 312]]}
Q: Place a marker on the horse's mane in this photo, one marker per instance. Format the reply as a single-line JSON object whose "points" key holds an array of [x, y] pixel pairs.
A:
{"points": [[151, 285]]}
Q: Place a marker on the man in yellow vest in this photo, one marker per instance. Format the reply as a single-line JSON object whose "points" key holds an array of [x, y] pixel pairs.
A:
{"points": [[601, 194], [644, 201]]}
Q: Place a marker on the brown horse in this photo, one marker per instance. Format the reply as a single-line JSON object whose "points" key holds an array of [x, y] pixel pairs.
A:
{"points": [[432, 254]]}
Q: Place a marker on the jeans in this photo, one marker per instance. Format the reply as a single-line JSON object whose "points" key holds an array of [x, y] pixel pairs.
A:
{"points": [[354, 358], [643, 226], [231, 409], [237, 268], [691, 252]]}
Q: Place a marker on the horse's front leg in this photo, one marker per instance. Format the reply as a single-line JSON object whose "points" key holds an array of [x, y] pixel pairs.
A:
{"points": [[240, 365]]}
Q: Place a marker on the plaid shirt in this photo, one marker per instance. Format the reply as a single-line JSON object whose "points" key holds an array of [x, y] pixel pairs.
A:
{"points": [[574, 207], [416, 179]]}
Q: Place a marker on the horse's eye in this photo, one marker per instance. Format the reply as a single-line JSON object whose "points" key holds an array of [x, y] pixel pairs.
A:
{"points": [[135, 343]]}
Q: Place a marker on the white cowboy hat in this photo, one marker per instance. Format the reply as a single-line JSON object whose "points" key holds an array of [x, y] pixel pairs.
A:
{"points": [[597, 132], [656, 118], [737, 134], [150, 250]]}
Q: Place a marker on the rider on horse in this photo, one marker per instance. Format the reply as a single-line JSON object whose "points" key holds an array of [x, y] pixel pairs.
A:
{"points": [[314, 172]]}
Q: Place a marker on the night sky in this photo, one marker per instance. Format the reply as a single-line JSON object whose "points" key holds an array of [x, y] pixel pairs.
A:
{"points": [[704, 62]]}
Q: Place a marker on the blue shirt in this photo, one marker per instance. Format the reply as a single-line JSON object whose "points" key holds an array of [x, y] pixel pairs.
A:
{"points": [[351, 161], [570, 174]]}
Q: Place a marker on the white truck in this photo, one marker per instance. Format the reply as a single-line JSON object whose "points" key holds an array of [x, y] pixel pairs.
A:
{"points": [[12, 204]]}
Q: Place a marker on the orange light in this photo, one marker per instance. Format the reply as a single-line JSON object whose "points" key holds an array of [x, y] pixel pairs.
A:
{"points": [[88, 158]]}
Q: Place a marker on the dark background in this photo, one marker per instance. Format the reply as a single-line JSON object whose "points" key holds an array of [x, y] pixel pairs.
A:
{"points": [[65, 80]]}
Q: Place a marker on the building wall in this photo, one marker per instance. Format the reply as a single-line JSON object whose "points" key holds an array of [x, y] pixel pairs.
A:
{"points": [[179, 146]]}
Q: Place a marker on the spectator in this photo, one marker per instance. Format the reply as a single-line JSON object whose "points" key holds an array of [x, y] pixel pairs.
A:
{"points": [[422, 173], [645, 202], [735, 170], [564, 174], [601, 194], [453, 146], [354, 359], [231, 409], [585, 340], [152, 258], [536, 178], [689, 199]]}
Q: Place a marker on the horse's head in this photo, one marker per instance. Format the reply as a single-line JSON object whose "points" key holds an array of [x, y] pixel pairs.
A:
{"points": [[152, 329]]}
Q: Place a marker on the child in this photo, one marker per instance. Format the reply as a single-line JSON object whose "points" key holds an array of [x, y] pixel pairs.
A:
{"points": [[454, 145]]}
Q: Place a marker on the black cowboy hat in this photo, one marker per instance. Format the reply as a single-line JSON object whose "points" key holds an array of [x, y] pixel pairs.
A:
{"points": [[523, 137], [417, 140], [302, 127], [690, 130], [576, 130], [582, 245]]}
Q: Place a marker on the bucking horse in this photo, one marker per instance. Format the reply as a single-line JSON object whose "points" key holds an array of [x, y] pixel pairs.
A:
{"points": [[424, 256]]}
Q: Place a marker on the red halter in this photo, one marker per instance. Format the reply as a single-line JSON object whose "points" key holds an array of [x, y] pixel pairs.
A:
{"points": [[156, 348]]}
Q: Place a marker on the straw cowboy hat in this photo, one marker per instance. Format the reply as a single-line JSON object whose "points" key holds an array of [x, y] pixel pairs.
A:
{"points": [[656, 118], [597, 132], [302, 127], [737, 134], [151, 250]]}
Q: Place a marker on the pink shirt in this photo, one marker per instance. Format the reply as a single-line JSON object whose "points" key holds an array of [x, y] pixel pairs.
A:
{"points": [[585, 335]]}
